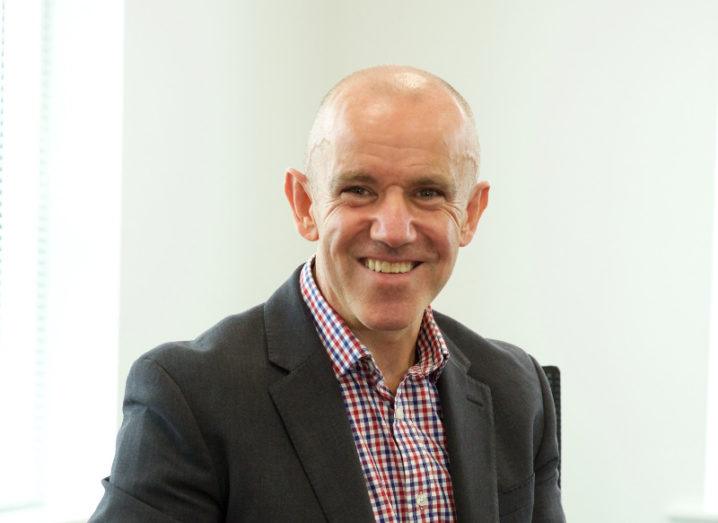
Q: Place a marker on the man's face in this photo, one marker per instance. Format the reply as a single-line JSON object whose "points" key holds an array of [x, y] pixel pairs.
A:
{"points": [[391, 207]]}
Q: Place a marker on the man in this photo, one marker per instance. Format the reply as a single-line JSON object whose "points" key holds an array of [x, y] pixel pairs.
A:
{"points": [[345, 397]]}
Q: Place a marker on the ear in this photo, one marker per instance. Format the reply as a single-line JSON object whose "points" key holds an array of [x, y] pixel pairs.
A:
{"points": [[296, 187], [478, 200]]}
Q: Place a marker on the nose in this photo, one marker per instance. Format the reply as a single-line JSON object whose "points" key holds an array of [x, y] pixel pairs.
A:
{"points": [[392, 222]]}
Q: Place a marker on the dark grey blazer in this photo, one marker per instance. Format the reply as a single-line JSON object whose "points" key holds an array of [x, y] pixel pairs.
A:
{"points": [[246, 423]]}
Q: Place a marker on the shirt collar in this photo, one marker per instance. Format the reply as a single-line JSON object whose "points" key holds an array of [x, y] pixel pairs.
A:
{"points": [[346, 351]]}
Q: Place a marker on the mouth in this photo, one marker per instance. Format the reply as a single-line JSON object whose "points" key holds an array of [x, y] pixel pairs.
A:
{"points": [[386, 267]]}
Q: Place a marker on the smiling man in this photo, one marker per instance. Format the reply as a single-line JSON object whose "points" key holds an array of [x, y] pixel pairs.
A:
{"points": [[345, 397], [390, 197]]}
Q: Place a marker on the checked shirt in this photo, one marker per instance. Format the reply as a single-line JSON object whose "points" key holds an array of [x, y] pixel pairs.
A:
{"points": [[400, 439]]}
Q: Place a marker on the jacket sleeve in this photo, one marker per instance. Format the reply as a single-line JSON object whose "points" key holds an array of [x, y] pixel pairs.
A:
{"points": [[547, 495], [162, 471]]}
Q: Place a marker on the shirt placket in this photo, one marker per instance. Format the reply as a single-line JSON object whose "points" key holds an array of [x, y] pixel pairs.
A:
{"points": [[381, 406], [415, 503]]}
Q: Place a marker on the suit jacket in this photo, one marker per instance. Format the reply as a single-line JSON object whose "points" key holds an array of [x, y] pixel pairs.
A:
{"points": [[246, 423]]}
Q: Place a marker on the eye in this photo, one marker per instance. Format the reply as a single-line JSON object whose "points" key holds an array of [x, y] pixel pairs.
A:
{"points": [[356, 191], [428, 194]]}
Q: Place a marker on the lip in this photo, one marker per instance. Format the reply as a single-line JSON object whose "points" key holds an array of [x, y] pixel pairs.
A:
{"points": [[394, 275], [389, 259]]}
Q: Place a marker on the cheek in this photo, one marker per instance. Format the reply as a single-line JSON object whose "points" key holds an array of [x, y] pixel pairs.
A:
{"points": [[339, 228], [450, 243], [445, 227], [456, 217]]}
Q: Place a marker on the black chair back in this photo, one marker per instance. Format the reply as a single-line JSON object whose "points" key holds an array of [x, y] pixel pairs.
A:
{"points": [[554, 379]]}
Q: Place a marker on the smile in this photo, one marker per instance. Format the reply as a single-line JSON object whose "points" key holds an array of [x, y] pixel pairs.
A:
{"points": [[388, 267]]}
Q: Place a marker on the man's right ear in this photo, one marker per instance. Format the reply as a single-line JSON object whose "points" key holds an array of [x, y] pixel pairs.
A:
{"points": [[296, 187]]}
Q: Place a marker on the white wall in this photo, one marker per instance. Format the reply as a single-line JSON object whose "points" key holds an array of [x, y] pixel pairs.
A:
{"points": [[598, 133], [212, 118]]}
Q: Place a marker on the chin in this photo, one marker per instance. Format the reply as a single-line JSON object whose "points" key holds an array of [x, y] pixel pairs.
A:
{"points": [[389, 320]]}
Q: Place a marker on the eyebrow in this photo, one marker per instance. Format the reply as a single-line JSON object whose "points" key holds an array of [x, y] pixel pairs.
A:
{"points": [[356, 176], [363, 177], [352, 177]]}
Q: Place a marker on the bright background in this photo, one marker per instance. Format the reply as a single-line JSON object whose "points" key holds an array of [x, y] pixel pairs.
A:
{"points": [[598, 130]]}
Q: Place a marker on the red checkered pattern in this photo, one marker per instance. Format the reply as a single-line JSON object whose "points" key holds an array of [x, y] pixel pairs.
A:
{"points": [[400, 439]]}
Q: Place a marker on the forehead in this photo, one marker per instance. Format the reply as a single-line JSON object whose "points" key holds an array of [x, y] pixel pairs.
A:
{"points": [[412, 116], [398, 132]]}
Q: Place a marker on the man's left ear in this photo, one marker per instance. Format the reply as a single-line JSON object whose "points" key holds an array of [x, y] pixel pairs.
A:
{"points": [[478, 200]]}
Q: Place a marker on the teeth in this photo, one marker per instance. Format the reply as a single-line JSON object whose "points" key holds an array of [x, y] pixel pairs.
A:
{"points": [[385, 266]]}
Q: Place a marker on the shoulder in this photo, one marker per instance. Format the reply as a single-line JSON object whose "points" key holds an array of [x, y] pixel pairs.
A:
{"points": [[228, 358], [496, 363], [234, 355], [516, 381], [217, 346]]}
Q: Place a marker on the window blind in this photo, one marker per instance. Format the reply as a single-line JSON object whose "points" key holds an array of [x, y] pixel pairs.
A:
{"points": [[60, 158], [22, 257]]}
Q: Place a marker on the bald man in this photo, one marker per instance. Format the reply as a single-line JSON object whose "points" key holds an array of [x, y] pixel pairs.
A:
{"points": [[345, 397]]}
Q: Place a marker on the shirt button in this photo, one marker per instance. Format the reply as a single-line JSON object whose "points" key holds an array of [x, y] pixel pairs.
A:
{"points": [[399, 414], [422, 499]]}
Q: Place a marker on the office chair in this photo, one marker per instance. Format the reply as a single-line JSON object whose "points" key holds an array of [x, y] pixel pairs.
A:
{"points": [[554, 379]]}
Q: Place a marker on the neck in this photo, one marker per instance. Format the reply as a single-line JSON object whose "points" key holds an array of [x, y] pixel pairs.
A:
{"points": [[394, 353]]}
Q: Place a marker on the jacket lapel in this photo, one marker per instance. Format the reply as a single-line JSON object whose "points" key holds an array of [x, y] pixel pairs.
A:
{"points": [[469, 423], [309, 401]]}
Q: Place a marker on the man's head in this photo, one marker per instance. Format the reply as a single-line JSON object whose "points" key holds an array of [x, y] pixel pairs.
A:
{"points": [[390, 194]]}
